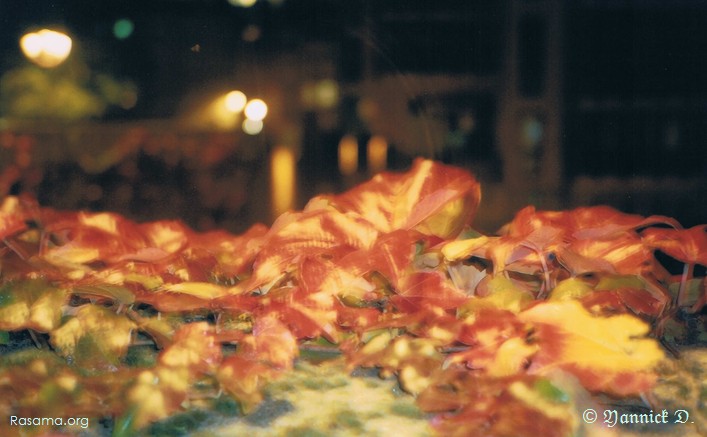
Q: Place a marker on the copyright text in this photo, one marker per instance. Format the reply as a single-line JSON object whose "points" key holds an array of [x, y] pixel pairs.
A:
{"points": [[611, 418]]}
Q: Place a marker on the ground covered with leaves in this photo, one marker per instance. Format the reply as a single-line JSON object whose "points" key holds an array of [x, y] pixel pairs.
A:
{"points": [[141, 326]]}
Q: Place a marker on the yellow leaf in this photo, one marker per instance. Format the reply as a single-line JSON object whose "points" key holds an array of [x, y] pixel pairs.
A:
{"points": [[569, 289], [511, 357], [114, 330], [71, 256], [503, 294], [610, 354], [202, 290], [46, 311], [448, 221], [461, 249], [14, 316], [104, 221], [32, 304]]}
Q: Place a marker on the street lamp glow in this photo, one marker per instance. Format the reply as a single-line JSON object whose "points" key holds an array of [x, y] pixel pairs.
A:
{"points": [[46, 48], [348, 155], [256, 109], [377, 154], [252, 127], [235, 101], [242, 3]]}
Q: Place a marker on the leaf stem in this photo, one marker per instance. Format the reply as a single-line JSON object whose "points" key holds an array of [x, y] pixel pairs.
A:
{"points": [[686, 276]]}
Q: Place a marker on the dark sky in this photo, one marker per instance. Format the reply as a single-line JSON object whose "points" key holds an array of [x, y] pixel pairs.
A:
{"points": [[613, 48]]}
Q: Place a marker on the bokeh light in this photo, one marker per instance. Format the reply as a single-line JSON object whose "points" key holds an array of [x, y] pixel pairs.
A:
{"points": [[235, 101], [327, 94], [531, 131], [282, 174], [242, 3], [46, 48], [251, 33], [123, 28], [377, 154], [256, 109], [348, 155], [252, 127]]}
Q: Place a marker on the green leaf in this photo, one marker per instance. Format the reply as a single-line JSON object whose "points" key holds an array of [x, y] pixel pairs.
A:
{"points": [[110, 332], [692, 292], [114, 292], [614, 282], [124, 425], [550, 392], [569, 289], [33, 304], [4, 337]]}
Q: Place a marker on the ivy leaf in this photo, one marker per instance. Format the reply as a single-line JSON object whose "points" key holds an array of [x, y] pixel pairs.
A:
{"points": [[433, 198], [307, 315], [271, 344], [308, 233], [421, 289], [168, 236], [12, 221], [201, 290], [260, 358], [503, 294], [194, 347], [469, 404], [111, 332], [31, 304], [234, 254], [159, 392], [586, 223], [115, 293], [569, 289], [609, 354], [686, 245], [497, 343], [626, 254]]}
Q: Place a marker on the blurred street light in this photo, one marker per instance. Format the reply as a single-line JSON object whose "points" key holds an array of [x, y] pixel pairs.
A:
{"points": [[348, 155], [46, 48], [235, 101], [377, 154], [252, 127], [242, 3], [256, 109]]}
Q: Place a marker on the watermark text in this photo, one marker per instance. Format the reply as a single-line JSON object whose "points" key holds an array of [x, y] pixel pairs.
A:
{"points": [[49, 421]]}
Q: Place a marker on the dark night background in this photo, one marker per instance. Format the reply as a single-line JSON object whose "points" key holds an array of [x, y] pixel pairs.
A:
{"points": [[555, 103]]}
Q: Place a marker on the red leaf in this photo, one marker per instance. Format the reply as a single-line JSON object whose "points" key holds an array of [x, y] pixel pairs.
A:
{"points": [[686, 245], [582, 223], [195, 347], [307, 315], [606, 302], [410, 200], [309, 233], [234, 254], [391, 255], [271, 343], [426, 289], [626, 253], [609, 354]]}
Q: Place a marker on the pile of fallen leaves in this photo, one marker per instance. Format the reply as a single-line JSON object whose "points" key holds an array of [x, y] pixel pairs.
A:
{"points": [[493, 335]]}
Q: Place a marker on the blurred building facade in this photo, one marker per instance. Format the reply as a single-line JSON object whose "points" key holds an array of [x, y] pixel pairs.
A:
{"points": [[549, 102]]}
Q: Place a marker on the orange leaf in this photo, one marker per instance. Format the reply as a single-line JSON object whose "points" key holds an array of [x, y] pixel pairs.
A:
{"points": [[609, 354], [432, 198], [686, 245]]}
